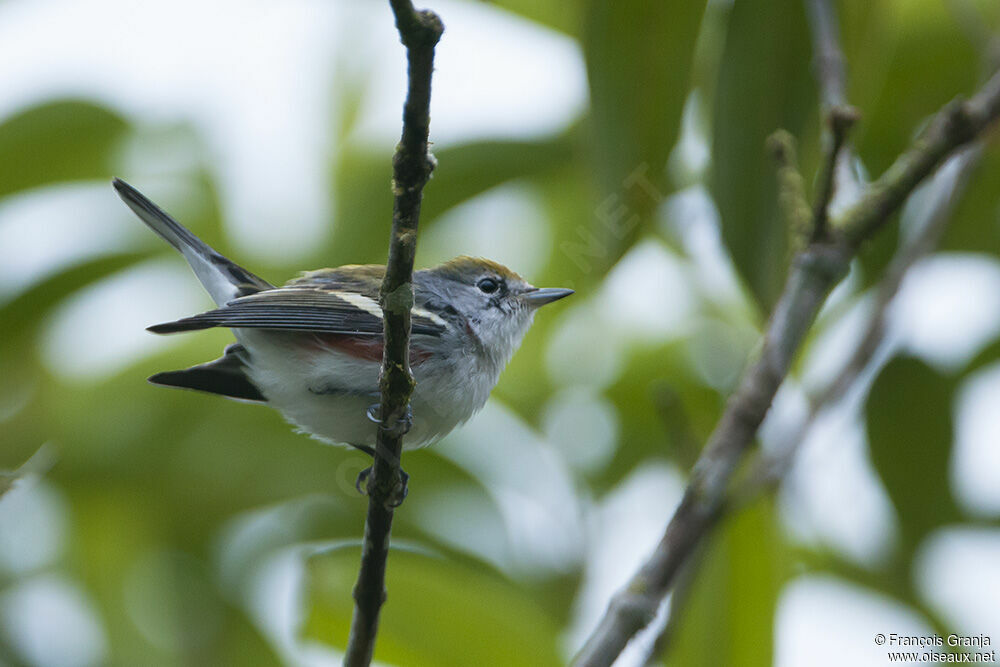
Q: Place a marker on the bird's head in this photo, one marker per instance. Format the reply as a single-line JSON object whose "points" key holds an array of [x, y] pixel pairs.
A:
{"points": [[495, 304]]}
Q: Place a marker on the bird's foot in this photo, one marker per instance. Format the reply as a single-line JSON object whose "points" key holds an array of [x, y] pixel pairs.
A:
{"points": [[396, 495], [402, 425]]}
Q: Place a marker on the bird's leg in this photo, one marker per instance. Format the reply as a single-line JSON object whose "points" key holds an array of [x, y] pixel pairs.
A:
{"points": [[400, 428]]}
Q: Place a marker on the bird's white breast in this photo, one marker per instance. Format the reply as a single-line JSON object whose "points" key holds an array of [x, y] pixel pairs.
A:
{"points": [[327, 393]]}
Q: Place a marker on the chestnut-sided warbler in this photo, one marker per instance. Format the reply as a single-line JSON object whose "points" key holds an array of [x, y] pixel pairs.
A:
{"points": [[312, 349]]}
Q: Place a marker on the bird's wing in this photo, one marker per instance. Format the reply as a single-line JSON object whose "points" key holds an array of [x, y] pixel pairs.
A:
{"points": [[303, 309]]}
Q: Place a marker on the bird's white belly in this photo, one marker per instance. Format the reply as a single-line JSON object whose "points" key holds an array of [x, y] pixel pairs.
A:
{"points": [[327, 393]]}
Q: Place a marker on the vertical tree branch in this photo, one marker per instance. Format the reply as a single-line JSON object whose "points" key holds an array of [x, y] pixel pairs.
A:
{"points": [[412, 165], [840, 117], [834, 169], [828, 58]]}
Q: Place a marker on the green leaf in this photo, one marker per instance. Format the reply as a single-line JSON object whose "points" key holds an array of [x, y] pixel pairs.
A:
{"points": [[639, 57], [908, 58], [663, 410], [908, 416], [975, 223], [22, 313], [556, 14], [364, 196], [727, 616], [988, 356], [39, 464], [438, 613], [58, 141], [470, 169], [764, 84]]}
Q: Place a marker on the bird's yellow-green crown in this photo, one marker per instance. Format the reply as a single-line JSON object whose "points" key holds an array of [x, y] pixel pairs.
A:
{"points": [[466, 269]]}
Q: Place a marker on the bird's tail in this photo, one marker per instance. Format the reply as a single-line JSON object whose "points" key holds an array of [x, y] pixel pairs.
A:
{"points": [[223, 279]]}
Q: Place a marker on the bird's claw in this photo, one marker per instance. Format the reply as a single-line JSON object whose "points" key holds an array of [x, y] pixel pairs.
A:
{"points": [[395, 497], [402, 425], [399, 490], [362, 481]]}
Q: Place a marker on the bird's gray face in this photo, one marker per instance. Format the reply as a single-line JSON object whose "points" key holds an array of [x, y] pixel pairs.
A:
{"points": [[497, 305], [500, 310]]}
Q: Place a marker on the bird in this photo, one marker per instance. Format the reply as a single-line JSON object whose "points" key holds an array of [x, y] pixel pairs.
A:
{"points": [[312, 348]]}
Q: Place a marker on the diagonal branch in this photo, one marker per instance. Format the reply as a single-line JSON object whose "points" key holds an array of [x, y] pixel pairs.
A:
{"points": [[770, 469], [813, 274], [957, 124], [412, 166]]}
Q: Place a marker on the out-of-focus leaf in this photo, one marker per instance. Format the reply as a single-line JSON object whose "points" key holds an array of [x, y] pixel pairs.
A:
{"points": [[639, 58], [562, 16], [764, 84], [39, 463], [576, 261], [893, 582], [987, 356], [438, 613], [650, 426], [907, 59], [975, 223], [7, 480], [243, 644], [728, 614], [24, 311], [59, 141], [470, 169], [908, 416], [20, 325], [364, 196]]}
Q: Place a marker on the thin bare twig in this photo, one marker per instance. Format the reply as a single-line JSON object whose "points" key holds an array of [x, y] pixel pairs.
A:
{"points": [[840, 117], [412, 166], [835, 168], [812, 276], [828, 58]]}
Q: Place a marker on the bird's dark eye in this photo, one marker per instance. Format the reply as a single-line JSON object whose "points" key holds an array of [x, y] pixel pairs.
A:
{"points": [[488, 285]]}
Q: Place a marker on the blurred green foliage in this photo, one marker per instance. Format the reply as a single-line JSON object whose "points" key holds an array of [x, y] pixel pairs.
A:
{"points": [[764, 83], [177, 504], [637, 96], [457, 628], [83, 136]]}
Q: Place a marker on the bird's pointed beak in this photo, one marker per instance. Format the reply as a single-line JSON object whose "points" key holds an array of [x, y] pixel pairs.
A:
{"points": [[541, 296]]}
